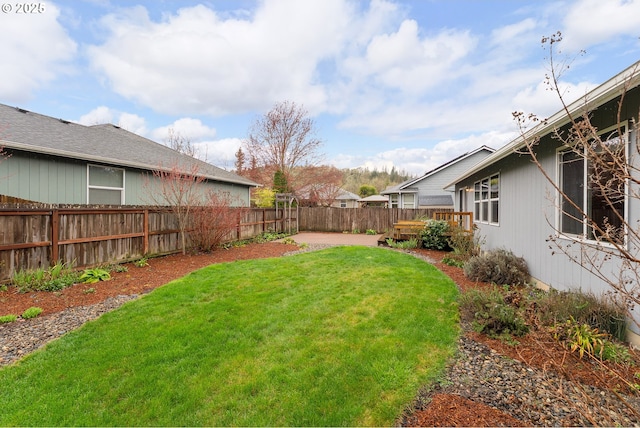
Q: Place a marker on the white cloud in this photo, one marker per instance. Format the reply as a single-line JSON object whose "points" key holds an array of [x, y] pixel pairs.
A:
{"points": [[192, 129], [32, 58], [588, 22], [197, 61], [128, 121]]}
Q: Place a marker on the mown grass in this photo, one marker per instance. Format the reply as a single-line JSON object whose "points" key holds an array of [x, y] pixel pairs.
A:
{"points": [[340, 337]]}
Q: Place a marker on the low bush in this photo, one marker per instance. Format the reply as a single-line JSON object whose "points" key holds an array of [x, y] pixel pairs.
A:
{"points": [[434, 235], [90, 276], [492, 314], [54, 278], [371, 232], [601, 312], [31, 312], [403, 245], [500, 267]]}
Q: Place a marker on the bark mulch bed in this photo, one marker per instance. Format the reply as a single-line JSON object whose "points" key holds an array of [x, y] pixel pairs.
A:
{"points": [[536, 350]]}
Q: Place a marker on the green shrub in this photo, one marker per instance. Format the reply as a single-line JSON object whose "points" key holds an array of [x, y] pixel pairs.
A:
{"points": [[371, 232], [403, 245], [451, 260], [91, 276], [142, 262], [117, 268], [465, 244], [491, 314], [32, 312], [616, 352], [434, 235], [54, 278], [500, 267], [605, 314], [4, 319]]}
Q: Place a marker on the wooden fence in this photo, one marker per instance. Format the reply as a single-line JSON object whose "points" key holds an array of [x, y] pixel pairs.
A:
{"points": [[330, 219], [34, 237]]}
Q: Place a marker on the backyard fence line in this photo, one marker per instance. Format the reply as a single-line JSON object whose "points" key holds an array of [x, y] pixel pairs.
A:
{"points": [[380, 219], [36, 236]]}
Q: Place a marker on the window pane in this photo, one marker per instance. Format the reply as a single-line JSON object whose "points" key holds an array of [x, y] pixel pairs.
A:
{"points": [[572, 186], [476, 213], [408, 201], [107, 177], [105, 197], [606, 192], [476, 195], [485, 189], [494, 211], [485, 211], [495, 184]]}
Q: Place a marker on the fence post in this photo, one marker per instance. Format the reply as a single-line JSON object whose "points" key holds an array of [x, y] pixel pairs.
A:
{"points": [[238, 228], [55, 236], [145, 231]]}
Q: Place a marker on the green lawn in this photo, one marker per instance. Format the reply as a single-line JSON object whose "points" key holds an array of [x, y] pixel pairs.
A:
{"points": [[340, 337]]}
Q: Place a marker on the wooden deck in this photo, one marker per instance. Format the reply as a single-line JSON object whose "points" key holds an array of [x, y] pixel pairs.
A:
{"points": [[408, 229]]}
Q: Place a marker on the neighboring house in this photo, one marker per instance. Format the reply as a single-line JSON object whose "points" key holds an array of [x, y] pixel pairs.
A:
{"points": [[431, 190], [346, 199], [516, 208], [374, 201], [60, 162], [327, 196]]}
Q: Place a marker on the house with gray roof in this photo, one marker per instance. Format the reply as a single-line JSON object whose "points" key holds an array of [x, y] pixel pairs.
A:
{"points": [[431, 190], [60, 162], [327, 196], [551, 214]]}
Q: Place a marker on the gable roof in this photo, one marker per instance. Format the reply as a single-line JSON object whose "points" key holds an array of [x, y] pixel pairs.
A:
{"points": [[109, 144], [406, 185], [375, 198], [609, 90]]}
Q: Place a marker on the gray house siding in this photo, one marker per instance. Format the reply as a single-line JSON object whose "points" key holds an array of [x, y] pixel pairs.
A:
{"points": [[42, 179], [528, 213], [48, 179]]}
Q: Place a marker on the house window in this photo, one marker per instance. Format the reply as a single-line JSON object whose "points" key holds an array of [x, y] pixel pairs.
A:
{"points": [[393, 200], [486, 198], [106, 185], [601, 200], [408, 200], [343, 204]]}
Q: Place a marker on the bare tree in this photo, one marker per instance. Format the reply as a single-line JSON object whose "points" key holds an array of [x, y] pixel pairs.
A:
{"points": [[177, 189], [600, 179], [183, 144], [214, 221], [283, 139]]}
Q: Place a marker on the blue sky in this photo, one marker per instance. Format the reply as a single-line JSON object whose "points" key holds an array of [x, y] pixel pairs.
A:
{"points": [[406, 83]]}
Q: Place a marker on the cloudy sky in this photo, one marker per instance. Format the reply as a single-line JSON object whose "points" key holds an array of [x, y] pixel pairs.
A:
{"points": [[388, 82]]}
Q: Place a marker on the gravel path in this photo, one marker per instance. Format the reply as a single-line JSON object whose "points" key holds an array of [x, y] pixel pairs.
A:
{"points": [[480, 374], [22, 337]]}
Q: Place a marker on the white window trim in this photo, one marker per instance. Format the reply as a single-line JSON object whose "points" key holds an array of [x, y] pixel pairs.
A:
{"points": [[121, 189], [488, 200], [582, 239]]}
